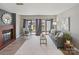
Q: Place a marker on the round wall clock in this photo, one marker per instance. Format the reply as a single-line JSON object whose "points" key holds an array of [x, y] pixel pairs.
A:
{"points": [[6, 18]]}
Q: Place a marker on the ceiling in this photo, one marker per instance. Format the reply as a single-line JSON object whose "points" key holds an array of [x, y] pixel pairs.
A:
{"points": [[37, 8]]}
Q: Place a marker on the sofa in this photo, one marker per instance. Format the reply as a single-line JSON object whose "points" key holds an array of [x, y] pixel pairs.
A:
{"points": [[57, 38]]}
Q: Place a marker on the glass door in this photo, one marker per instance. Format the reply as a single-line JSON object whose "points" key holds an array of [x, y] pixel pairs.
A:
{"points": [[48, 26], [31, 26], [43, 26]]}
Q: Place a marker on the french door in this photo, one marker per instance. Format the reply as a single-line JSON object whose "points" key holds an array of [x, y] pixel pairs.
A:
{"points": [[37, 26], [46, 26], [31, 26]]}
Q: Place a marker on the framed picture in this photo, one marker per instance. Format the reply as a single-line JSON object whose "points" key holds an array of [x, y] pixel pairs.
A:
{"points": [[66, 24]]}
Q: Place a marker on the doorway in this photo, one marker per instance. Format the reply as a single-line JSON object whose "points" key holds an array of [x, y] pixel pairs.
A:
{"points": [[46, 26], [31, 26], [39, 25]]}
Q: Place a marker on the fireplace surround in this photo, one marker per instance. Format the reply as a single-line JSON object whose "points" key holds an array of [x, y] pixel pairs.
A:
{"points": [[6, 35]]}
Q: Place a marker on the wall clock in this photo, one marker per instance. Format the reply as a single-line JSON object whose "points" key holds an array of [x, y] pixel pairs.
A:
{"points": [[6, 18]]}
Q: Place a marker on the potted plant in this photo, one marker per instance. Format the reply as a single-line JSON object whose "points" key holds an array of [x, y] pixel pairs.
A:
{"points": [[67, 37]]}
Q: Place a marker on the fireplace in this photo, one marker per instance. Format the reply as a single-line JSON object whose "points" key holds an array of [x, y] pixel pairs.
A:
{"points": [[6, 36], [7, 28]]}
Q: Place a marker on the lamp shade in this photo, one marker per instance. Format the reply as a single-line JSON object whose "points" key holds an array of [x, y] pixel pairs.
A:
{"points": [[54, 23]]}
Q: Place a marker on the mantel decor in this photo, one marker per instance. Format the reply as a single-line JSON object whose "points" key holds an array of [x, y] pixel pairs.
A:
{"points": [[6, 18], [65, 23]]}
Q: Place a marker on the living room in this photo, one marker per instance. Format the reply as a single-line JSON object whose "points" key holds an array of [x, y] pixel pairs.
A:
{"points": [[46, 18]]}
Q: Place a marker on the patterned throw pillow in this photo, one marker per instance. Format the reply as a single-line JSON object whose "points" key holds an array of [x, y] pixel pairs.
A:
{"points": [[60, 34]]}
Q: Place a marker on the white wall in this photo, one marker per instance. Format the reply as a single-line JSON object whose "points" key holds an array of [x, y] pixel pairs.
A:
{"points": [[73, 13], [17, 25]]}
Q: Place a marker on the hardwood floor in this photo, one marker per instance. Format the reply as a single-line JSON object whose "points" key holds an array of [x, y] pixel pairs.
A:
{"points": [[13, 47], [31, 46]]}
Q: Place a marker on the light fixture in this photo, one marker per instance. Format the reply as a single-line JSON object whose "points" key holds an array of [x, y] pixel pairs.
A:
{"points": [[19, 4], [54, 23]]}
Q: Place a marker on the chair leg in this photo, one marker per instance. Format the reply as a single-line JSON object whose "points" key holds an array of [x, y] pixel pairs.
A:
{"points": [[40, 41]]}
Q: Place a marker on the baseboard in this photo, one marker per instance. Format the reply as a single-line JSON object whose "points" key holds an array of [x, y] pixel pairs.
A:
{"points": [[76, 49], [17, 36]]}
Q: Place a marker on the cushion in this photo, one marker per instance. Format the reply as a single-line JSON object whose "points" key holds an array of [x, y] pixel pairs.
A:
{"points": [[60, 34], [53, 31], [56, 35]]}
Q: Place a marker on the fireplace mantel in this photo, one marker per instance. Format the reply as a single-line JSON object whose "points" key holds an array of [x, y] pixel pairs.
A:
{"points": [[6, 27]]}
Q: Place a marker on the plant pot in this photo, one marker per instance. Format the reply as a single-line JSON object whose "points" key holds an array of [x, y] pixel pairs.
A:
{"points": [[68, 41]]}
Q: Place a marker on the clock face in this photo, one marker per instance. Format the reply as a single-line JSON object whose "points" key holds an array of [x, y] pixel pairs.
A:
{"points": [[6, 18]]}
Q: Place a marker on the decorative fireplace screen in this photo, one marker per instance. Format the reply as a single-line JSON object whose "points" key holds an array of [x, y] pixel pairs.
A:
{"points": [[6, 36]]}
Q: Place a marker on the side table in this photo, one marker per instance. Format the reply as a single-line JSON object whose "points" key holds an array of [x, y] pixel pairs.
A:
{"points": [[68, 48]]}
